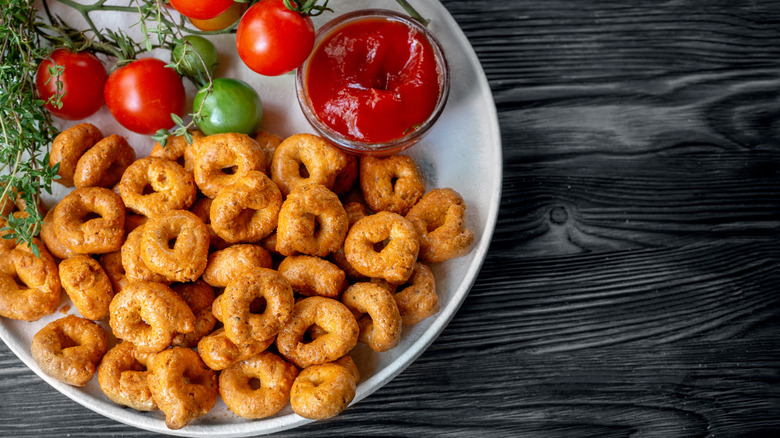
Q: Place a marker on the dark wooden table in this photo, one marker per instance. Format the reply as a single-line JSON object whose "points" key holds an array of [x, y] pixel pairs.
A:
{"points": [[632, 286]]}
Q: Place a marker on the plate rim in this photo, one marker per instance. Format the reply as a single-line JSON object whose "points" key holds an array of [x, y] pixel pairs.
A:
{"points": [[375, 381]]}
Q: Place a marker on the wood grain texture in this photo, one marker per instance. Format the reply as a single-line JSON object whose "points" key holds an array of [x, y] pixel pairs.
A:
{"points": [[632, 284]]}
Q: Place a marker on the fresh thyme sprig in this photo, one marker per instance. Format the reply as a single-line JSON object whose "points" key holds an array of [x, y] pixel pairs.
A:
{"points": [[25, 126]]}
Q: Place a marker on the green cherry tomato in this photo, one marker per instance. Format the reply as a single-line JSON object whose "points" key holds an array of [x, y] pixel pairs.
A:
{"points": [[187, 60], [232, 106]]}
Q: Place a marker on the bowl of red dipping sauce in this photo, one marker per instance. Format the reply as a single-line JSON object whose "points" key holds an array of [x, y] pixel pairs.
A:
{"points": [[375, 83]]}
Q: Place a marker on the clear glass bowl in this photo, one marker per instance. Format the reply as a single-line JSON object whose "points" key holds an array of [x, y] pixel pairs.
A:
{"points": [[362, 147]]}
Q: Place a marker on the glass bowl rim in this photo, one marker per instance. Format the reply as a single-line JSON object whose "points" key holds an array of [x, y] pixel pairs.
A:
{"points": [[364, 147]]}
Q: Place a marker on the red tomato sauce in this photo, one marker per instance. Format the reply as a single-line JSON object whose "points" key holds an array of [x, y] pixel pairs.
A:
{"points": [[374, 80]]}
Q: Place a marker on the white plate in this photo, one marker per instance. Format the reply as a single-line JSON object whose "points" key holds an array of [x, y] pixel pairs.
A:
{"points": [[462, 151]]}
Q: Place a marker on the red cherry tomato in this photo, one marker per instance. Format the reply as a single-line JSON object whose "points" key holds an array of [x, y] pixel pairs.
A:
{"points": [[82, 80], [142, 95], [221, 21], [201, 9], [273, 40]]}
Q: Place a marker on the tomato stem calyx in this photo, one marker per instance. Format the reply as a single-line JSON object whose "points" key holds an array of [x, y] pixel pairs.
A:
{"points": [[307, 8]]}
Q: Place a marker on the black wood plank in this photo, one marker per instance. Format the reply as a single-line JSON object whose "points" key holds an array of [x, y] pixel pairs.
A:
{"points": [[631, 286]]}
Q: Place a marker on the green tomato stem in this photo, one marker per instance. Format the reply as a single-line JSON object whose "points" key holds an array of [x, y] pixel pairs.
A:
{"points": [[413, 12]]}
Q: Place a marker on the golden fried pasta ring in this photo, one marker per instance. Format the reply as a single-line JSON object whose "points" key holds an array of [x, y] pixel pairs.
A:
{"points": [[202, 208], [417, 298], [312, 221], [149, 315], [104, 163], [6, 244], [268, 143], [21, 203], [111, 263], [226, 265], [348, 363], [355, 212], [183, 387], [381, 327], [122, 377], [241, 324], [330, 315], [345, 179], [178, 149], [269, 243], [323, 391], [155, 185], [223, 159], [69, 349], [81, 233], [339, 259], [133, 264], [440, 219], [133, 221], [304, 159], [248, 210], [186, 259], [41, 292], [218, 352], [49, 237], [13, 202], [199, 296], [16, 209], [276, 378], [395, 261], [87, 285], [393, 183], [7, 203], [68, 146], [309, 276]]}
